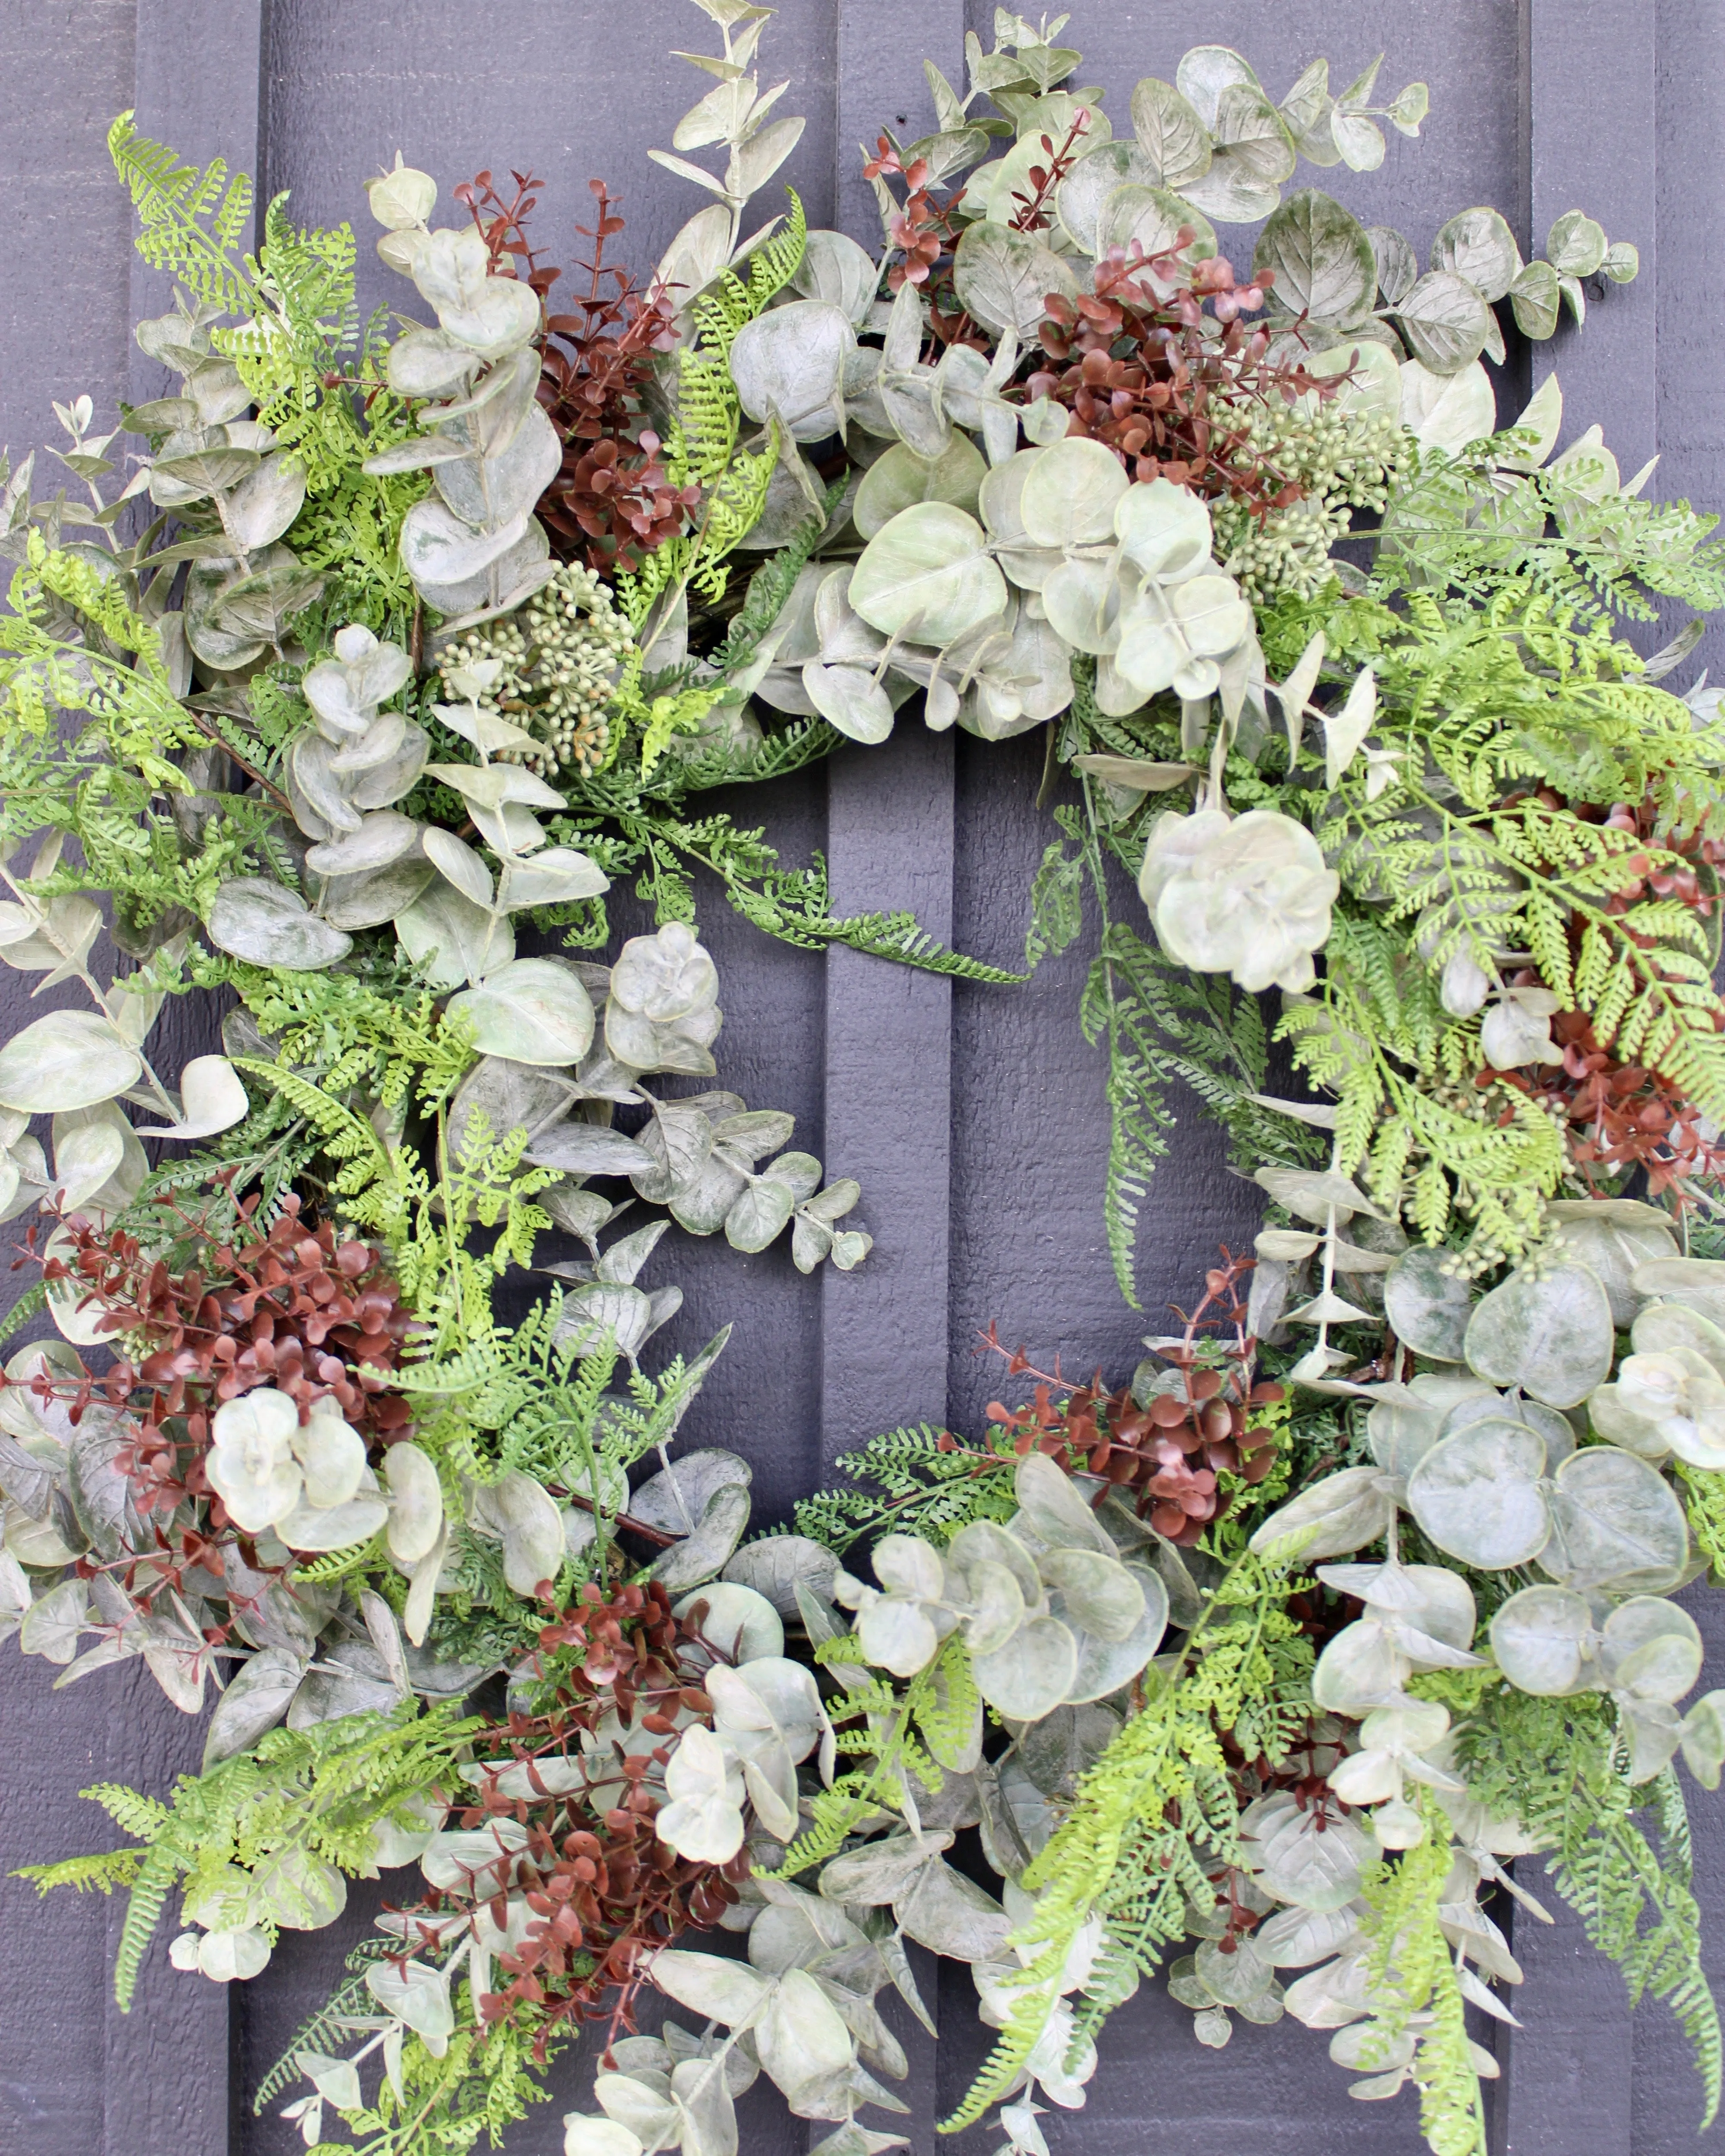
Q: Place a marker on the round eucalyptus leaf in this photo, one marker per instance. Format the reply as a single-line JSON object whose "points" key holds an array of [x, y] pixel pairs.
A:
{"points": [[1035, 673], [1397, 265], [985, 1542], [1296, 1937], [1101, 1595], [381, 840], [836, 270], [1033, 1674], [1053, 1509], [1478, 1495], [902, 478], [85, 1158], [1374, 383], [522, 1513], [1174, 140], [212, 1098], [1235, 1978], [1003, 277], [454, 940], [789, 362], [997, 1606], [1104, 1666], [532, 1010], [740, 1624], [1323, 260], [554, 876], [459, 864], [1403, 1432], [703, 1205], [1428, 1307], [1543, 1640], [1069, 494], [413, 1994], [1360, 1668], [416, 1514], [1652, 1648], [1164, 530], [1301, 1856], [759, 1214], [1152, 219], [1331, 1519], [927, 575], [1575, 246], [951, 1915], [1697, 1283], [1616, 1523], [1551, 1335], [1000, 506], [1444, 320], [676, 1499], [1082, 600], [1614, 1247], [1534, 299], [700, 1556], [1210, 614], [605, 1310], [1253, 156], [1479, 245], [1446, 411], [255, 1700], [68, 1059], [850, 699], [1080, 197], [266, 502], [508, 481], [1662, 1327], [442, 551], [775, 1566], [381, 895]]}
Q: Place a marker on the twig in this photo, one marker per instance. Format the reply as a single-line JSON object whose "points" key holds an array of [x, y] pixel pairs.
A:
{"points": [[250, 770]]}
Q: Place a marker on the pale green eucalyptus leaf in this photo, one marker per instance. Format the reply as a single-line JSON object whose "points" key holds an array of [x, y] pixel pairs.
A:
{"points": [[927, 575], [1551, 1334], [1444, 320], [1321, 258], [1478, 1495]]}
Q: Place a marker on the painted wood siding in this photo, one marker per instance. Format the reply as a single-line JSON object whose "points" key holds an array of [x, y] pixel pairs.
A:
{"points": [[973, 1117]]}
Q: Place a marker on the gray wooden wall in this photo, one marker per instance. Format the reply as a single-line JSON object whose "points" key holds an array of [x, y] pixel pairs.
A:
{"points": [[973, 1117]]}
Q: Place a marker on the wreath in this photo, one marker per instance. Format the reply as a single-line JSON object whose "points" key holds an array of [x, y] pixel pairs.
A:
{"points": [[396, 647]]}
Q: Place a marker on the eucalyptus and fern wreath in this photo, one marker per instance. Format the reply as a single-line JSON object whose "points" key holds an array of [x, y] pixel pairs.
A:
{"points": [[1282, 1673]]}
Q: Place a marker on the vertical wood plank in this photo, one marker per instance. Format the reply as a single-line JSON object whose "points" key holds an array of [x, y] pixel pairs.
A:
{"points": [[889, 1030], [198, 73], [889, 1089], [197, 88], [888, 845], [1592, 127]]}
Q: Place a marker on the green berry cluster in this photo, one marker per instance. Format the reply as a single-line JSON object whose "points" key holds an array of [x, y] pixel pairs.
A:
{"points": [[1340, 459], [561, 655]]}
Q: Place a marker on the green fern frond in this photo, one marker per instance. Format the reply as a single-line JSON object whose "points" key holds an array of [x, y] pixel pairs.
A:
{"points": [[190, 222]]}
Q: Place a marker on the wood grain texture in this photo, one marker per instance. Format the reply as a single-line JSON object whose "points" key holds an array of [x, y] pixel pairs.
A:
{"points": [[1594, 136]]}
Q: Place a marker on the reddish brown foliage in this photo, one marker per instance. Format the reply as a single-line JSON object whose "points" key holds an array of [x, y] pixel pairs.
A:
{"points": [[604, 1892], [612, 502], [1148, 376], [1623, 1116], [316, 1317], [1169, 1454]]}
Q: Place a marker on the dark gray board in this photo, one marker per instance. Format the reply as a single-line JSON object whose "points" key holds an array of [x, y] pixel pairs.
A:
{"points": [[973, 1115]]}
